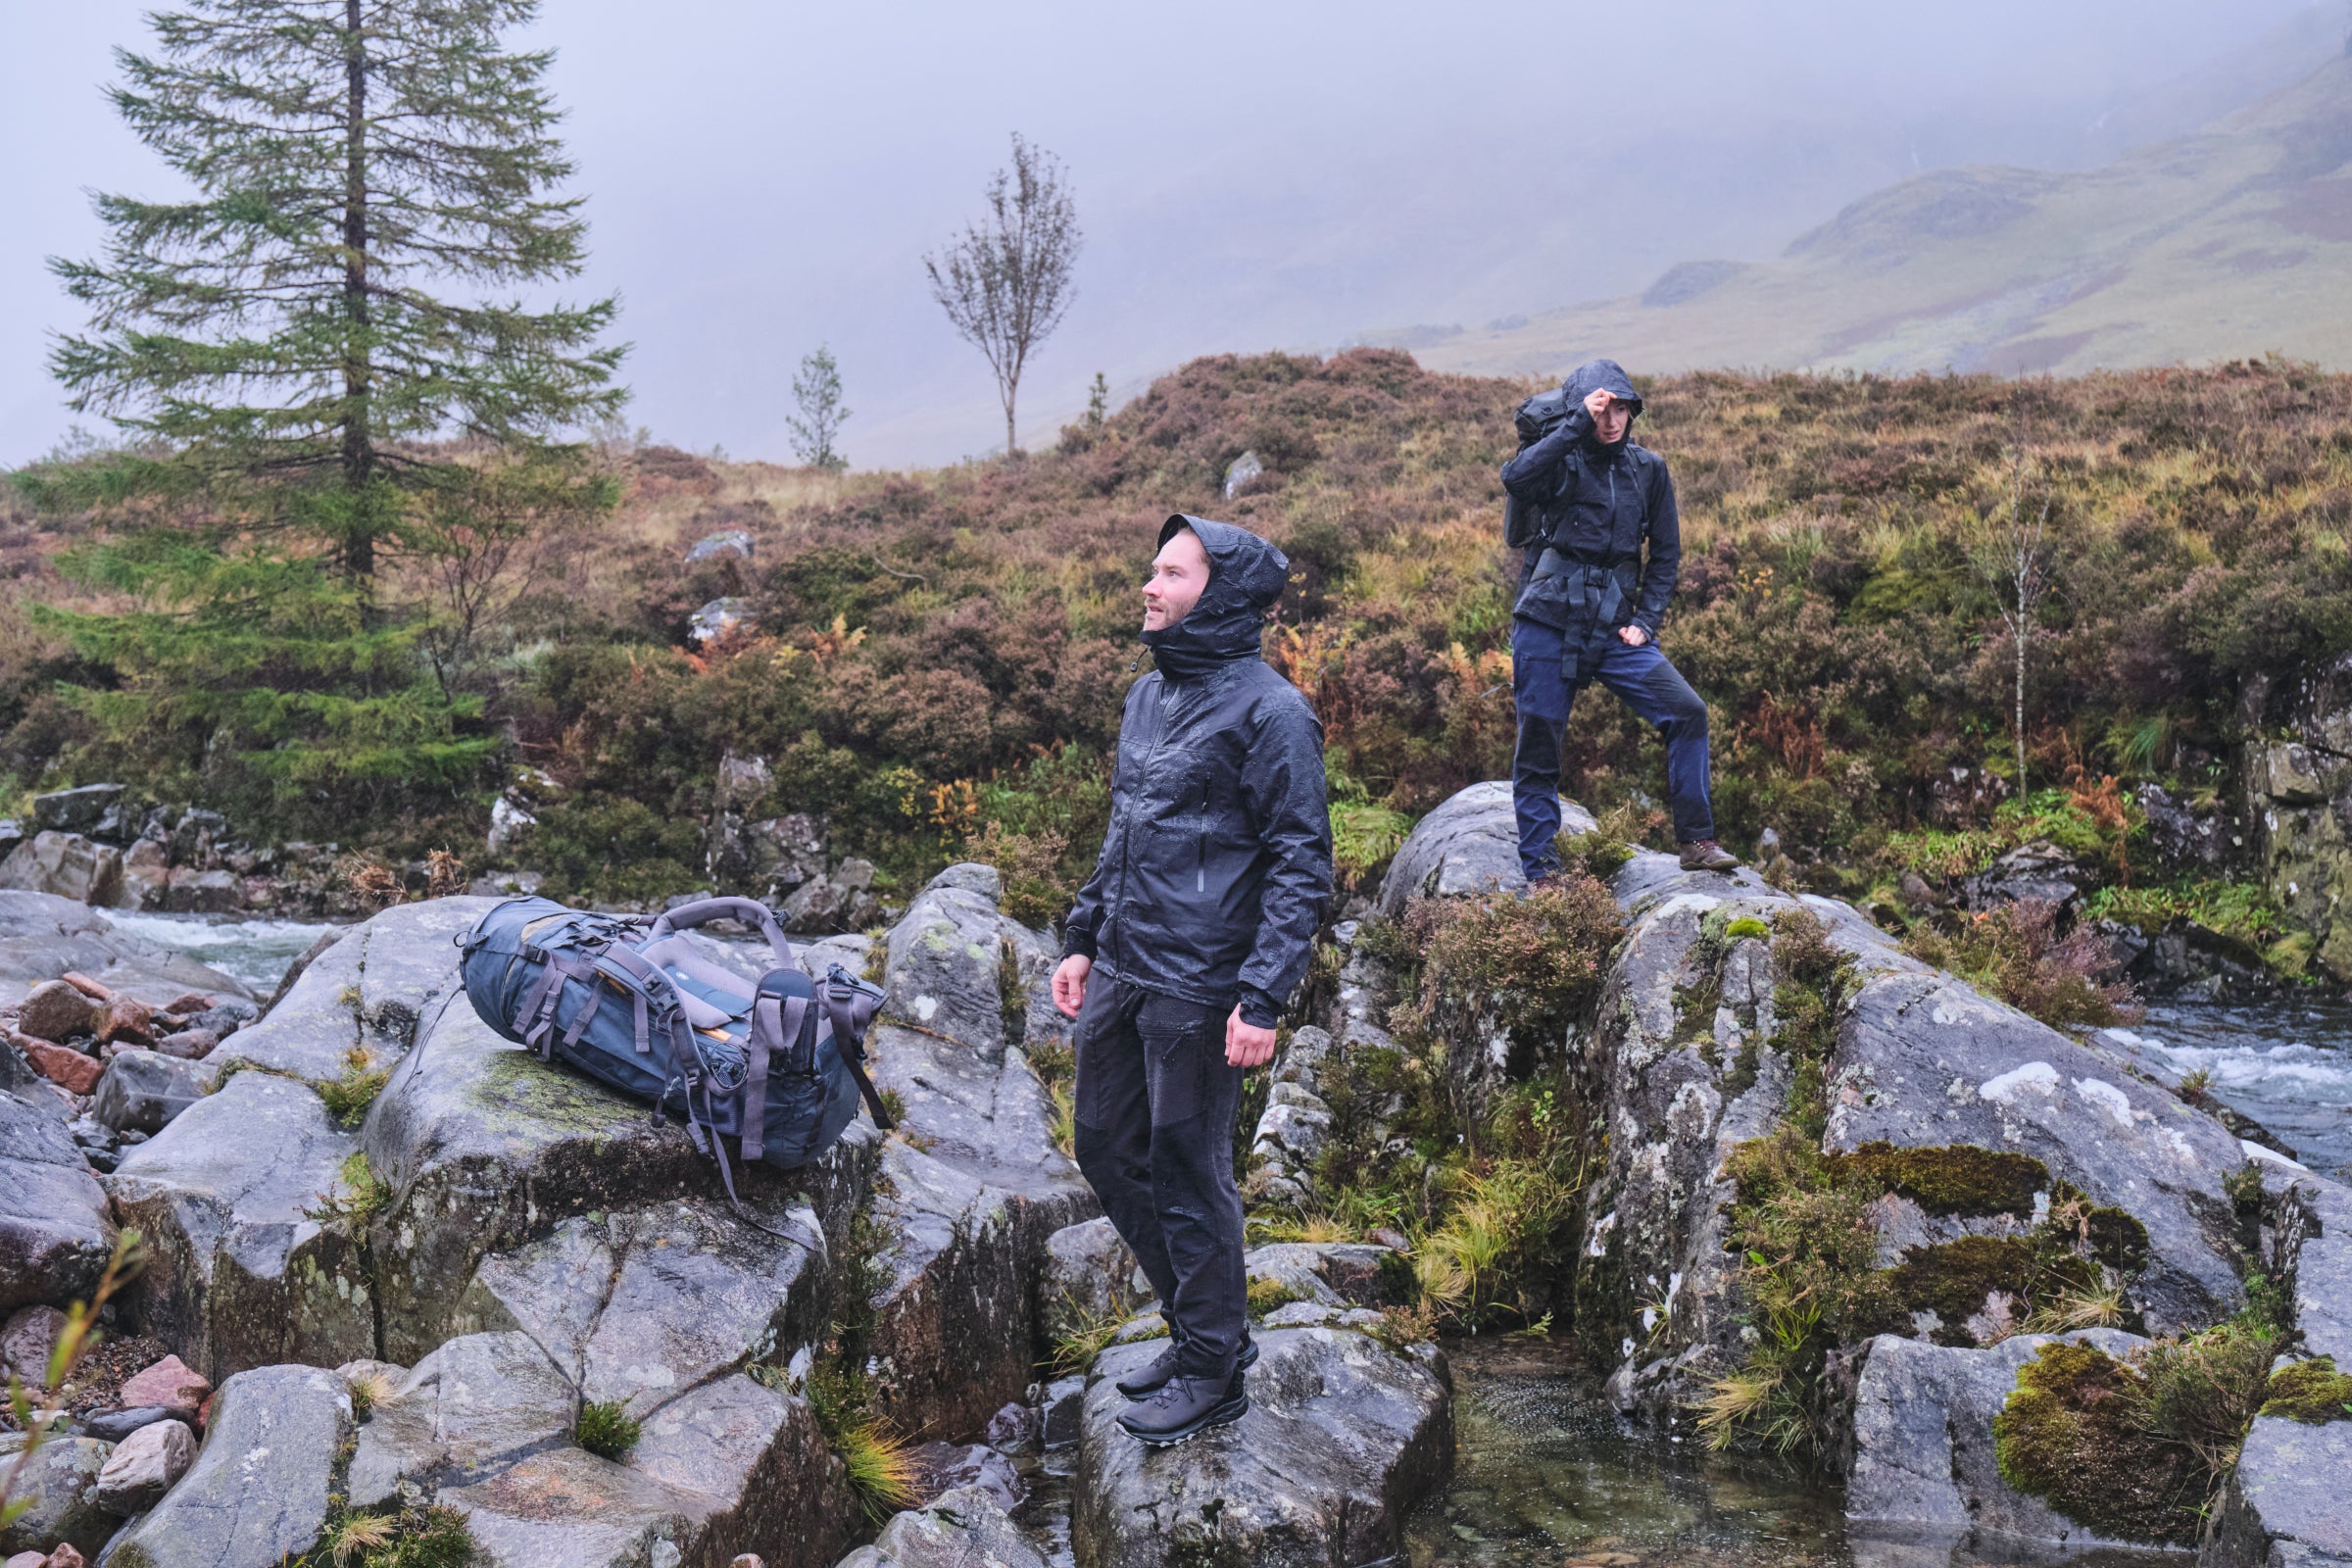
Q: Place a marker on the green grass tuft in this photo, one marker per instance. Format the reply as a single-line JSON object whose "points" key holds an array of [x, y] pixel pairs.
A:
{"points": [[606, 1429]]}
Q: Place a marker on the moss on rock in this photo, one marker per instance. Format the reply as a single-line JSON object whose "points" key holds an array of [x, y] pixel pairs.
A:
{"points": [[2072, 1435], [2312, 1390], [1957, 1178]]}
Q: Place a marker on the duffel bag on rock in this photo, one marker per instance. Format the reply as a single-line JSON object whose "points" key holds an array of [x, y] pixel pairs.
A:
{"points": [[778, 1065]]}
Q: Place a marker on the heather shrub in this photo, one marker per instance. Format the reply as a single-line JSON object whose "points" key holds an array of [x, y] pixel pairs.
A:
{"points": [[2015, 953]]}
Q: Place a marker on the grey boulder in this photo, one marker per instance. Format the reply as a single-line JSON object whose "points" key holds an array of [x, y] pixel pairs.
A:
{"points": [[61, 1483], [55, 1230], [240, 1271], [67, 865], [1342, 1438], [144, 1466], [973, 1184], [257, 1492], [2284, 1506], [1924, 1466], [43, 936], [964, 1527], [141, 1090], [1466, 847]]}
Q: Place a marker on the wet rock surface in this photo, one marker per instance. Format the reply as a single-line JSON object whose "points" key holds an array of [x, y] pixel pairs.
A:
{"points": [[1342, 1438]]}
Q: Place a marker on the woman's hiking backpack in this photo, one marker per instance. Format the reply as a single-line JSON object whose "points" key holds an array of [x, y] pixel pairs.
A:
{"points": [[1536, 417], [777, 1063]]}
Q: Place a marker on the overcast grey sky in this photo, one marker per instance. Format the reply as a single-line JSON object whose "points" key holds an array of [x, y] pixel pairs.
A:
{"points": [[763, 177]]}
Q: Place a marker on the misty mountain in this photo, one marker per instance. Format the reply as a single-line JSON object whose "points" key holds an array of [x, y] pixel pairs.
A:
{"points": [[2230, 241]]}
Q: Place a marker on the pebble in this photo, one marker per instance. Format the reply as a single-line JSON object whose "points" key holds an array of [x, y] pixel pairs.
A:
{"points": [[171, 1383]]}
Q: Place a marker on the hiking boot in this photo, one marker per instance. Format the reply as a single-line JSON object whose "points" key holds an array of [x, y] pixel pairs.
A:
{"points": [[1154, 1374], [1185, 1409], [1706, 854]]}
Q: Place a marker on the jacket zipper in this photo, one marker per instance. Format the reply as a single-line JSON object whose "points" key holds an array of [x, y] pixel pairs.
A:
{"points": [[1200, 844], [1160, 734]]}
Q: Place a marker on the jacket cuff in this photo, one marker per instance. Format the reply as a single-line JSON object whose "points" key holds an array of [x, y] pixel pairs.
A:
{"points": [[1258, 1010], [1078, 942]]}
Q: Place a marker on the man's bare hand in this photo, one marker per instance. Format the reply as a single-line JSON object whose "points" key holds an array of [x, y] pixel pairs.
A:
{"points": [[1069, 983], [1633, 636], [1245, 1044], [1597, 401]]}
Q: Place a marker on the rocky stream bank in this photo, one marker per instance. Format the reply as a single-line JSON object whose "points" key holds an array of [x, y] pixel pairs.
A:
{"points": [[402, 1269]]}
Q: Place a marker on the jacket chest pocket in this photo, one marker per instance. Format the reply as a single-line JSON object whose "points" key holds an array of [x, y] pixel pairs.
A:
{"points": [[1178, 803]]}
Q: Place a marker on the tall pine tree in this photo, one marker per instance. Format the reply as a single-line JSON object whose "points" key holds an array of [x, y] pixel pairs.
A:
{"points": [[316, 387]]}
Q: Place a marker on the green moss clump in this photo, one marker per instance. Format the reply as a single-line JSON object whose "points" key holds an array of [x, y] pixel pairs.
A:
{"points": [[2117, 1240], [1746, 928], [358, 1196], [1599, 854], [2312, 1390], [1265, 1296], [2072, 1434], [348, 1097], [605, 1430], [1956, 1178]]}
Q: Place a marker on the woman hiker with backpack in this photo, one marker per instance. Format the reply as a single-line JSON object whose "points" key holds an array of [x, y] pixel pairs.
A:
{"points": [[1593, 509]]}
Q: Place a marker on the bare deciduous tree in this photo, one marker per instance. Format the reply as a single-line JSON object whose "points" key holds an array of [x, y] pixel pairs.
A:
{"points": [[1005, 281], [2014, 555]]}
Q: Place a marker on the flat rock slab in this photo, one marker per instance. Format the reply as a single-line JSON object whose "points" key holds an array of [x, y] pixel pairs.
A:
{"points": [[61, 1483], [1343, 1437], [570, 1507], [239, 1275], [1923, 1464], [55, 1230], [42, 936], [472, 1409], [641, 1305], [257, 1492]]}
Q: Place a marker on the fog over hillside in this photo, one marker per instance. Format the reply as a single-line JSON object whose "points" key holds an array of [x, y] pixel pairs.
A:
{"points": [[765, 178]]}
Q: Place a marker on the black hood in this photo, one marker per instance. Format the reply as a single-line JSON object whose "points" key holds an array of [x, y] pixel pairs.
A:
{"points": [[1605, 376], [1245, 576]]}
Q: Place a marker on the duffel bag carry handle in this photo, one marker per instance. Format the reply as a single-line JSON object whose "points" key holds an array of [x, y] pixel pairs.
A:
{"points": [[688, 916]]}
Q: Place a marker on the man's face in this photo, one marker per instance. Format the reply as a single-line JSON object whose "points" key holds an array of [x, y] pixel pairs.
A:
{"points": [[1614, 418], [1179, 573]]}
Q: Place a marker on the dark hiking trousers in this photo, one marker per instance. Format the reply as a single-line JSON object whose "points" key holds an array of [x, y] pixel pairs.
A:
{"points": [[1644, 682], [1156, 1107]]}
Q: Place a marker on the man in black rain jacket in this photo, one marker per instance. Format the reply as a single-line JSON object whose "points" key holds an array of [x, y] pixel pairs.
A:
{"points": [[1193, 932], [1588, 499]]}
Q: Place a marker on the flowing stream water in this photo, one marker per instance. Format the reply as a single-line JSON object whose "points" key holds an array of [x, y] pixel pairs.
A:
{"points": [[1545, 1474]]}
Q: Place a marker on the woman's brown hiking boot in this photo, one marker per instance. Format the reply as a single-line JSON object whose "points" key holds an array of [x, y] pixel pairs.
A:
{"points": [[1706, 854]]}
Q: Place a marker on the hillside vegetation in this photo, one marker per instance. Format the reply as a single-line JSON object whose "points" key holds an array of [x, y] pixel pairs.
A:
{"points": [[2232, 240], [936, 661]]}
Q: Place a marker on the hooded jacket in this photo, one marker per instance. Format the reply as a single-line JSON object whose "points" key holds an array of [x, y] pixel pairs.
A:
{"points": [[1602, 504], [1218, 862]]}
